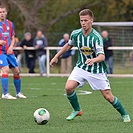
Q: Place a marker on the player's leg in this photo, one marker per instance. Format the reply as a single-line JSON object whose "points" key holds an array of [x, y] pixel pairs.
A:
{"points": [[73, 99], [71, 94], [107, 94], [16, 79], [4, 80], [100, 82], [76, 79], [4, 77], [17, 82], [19, 59], [4, 73], [13, 65]]}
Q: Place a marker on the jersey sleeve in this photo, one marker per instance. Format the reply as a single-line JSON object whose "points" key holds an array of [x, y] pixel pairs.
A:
{"points": [[71, 41], [11, 27], [99, 45]]}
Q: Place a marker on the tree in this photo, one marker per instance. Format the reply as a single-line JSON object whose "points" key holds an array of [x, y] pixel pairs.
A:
{"points": [[62, 15]]}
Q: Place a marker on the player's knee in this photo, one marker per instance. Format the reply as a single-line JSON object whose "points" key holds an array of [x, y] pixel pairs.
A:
{"points": [[5, 70], [69, 89], [17, 72]]}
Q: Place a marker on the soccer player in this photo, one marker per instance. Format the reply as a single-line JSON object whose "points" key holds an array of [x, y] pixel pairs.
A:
{"points": [[89, 67], [7, 57]]}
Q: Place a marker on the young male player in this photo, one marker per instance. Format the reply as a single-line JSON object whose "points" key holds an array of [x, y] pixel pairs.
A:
{"points": [[7, 57], [89, 67]]}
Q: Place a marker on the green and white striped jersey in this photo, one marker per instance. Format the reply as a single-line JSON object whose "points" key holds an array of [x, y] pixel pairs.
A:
{"points": [[88, 47]]}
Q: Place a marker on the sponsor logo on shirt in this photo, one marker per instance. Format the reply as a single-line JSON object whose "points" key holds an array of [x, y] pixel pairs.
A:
{"points": [[86, 50], [5, 34]]}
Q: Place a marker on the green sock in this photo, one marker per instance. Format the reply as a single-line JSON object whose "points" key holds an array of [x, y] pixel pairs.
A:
{"points": [[73, 99], [118, 106]]}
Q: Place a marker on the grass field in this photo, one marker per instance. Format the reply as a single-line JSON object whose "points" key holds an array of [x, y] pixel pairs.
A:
{"points": [[16, 116]]}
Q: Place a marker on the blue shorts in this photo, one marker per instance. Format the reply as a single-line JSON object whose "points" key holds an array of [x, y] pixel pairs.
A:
{"points": [[8, 60]]}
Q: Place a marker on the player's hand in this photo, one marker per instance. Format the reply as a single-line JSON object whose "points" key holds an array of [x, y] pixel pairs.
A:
{"points": [[2, 42], [90, 62], [54, 60], [10, 50]]}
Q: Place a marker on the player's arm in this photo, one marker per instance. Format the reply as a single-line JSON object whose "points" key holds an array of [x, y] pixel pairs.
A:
{"points": [[98, 59], [64, 49], [10, 49], [12, 38]]}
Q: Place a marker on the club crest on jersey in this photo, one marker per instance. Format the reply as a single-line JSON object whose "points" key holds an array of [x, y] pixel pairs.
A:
{"points": [[1, 62], [86, 50], [7, 27]]}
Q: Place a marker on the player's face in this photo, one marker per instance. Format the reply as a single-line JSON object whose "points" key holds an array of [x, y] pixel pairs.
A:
{"points": [[3, 14], [86, 22]]}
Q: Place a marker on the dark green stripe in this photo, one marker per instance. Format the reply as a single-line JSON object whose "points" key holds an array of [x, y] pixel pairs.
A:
{"points": [[100, 67], [95, 68]]}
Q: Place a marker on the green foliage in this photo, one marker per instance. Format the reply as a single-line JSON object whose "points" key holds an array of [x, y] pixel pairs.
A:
{"points": [[62, 15], [16, 116], [120, 10]]}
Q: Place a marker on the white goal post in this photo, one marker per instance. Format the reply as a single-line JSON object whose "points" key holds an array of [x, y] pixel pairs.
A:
{"points": [[113, 24]]}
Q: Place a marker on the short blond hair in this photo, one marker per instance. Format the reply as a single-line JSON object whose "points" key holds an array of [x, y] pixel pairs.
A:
{"points": [[86, 12]]}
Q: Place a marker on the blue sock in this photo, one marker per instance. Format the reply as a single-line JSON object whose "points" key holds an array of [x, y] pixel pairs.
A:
{"points": [[17, 83], [4, 81]]}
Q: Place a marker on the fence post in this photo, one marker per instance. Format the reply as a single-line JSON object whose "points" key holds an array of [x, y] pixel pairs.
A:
{"points": [[47, 64]]}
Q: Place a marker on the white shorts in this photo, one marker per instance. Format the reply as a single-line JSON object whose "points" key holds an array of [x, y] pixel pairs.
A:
{"points": [[97, 81]]}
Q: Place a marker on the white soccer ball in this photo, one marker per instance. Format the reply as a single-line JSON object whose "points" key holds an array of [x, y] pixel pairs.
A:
{"points": [[41, 116]]}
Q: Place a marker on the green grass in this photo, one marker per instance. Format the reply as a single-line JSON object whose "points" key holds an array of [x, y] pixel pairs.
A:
{"points": [[16, 116]]}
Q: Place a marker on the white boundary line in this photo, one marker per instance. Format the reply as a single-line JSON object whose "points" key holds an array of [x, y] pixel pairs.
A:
{"points": [[82, 92], [66, 75]]}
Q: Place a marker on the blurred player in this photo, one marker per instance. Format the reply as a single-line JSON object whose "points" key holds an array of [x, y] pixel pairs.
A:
{"points": [[7, 57], [89, 67]]}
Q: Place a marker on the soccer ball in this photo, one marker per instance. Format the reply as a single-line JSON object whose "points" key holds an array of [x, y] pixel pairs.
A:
{"points": [[41, 116]]}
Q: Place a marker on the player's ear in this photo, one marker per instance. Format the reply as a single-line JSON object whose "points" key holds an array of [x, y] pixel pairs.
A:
{"points": [[6, 12], [91, 20]]}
